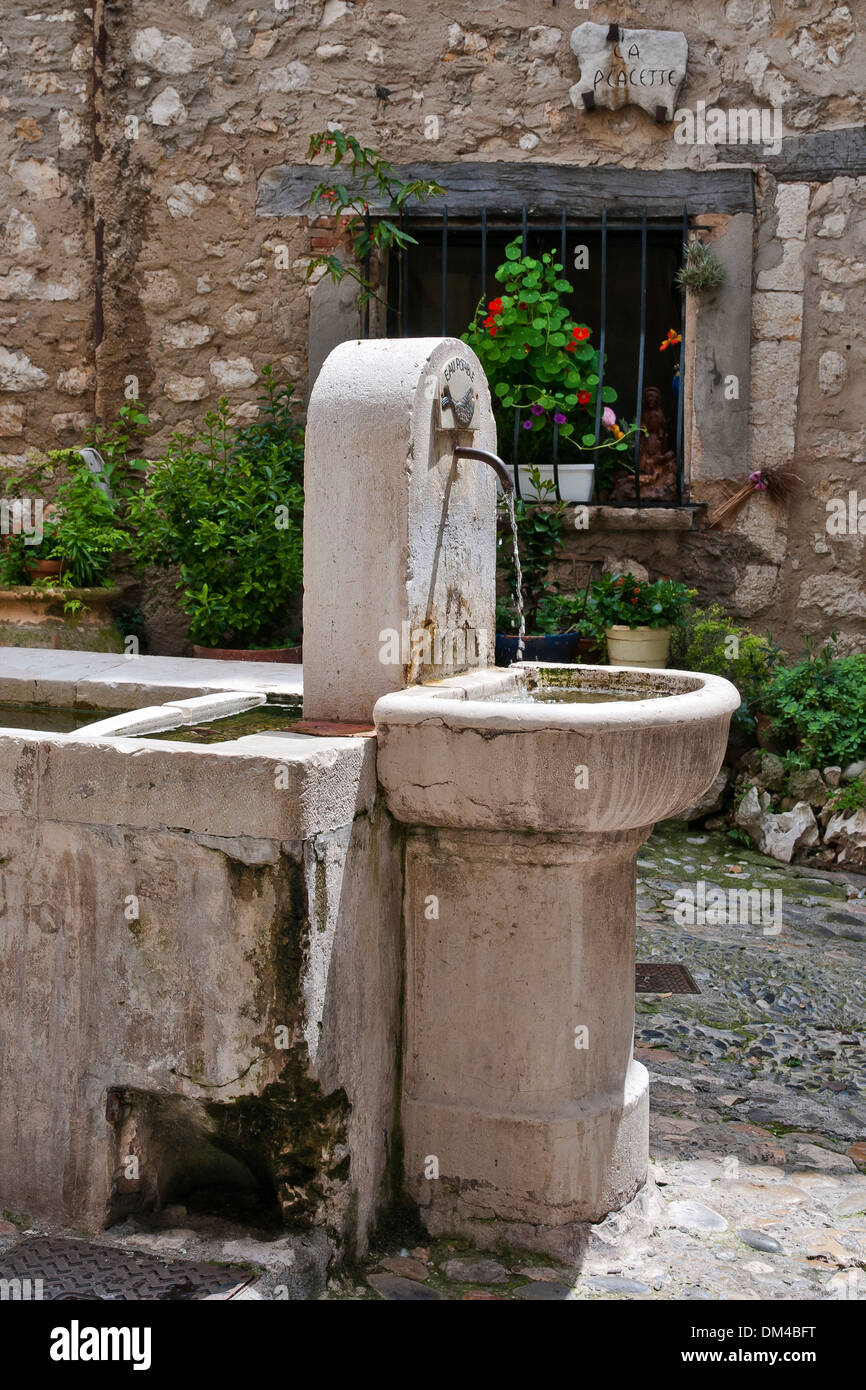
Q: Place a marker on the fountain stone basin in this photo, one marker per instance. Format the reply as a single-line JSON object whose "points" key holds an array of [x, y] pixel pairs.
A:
{"points": [[527, 793]]}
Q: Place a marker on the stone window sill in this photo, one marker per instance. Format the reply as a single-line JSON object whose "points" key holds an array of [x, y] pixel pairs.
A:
{"points": [[644, 518]]}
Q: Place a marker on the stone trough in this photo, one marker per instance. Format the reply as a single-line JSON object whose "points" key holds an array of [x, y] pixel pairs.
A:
{"points": [[215, 956]]}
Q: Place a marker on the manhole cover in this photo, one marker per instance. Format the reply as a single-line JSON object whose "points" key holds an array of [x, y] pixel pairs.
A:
{"points": [[655, 977], [72, 1269]]}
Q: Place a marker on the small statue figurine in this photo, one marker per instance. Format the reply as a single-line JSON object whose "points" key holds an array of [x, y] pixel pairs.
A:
{"points": [[657, 464]]}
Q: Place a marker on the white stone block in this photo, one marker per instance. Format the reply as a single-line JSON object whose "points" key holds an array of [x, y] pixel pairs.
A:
{"points": [[399, 538]]}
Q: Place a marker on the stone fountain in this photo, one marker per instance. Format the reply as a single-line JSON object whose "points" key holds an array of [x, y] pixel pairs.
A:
{"points": [[267, 965], [525, 796]]}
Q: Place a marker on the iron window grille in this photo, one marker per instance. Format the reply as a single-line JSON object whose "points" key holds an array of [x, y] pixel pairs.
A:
{"points": [[477, 242]]}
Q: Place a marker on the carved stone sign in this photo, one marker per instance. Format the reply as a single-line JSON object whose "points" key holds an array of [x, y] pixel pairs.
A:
{"points": [[457, 395], [622, 67]]}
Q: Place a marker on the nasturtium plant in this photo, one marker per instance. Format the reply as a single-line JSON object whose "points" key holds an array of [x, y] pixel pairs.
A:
{"points": [[538, 361]]}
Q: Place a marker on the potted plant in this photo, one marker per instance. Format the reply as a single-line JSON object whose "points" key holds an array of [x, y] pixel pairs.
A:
{"points": [[571, 615], [225, 506], [539, 362], [539, 529], [57, 592], [637, 617]]}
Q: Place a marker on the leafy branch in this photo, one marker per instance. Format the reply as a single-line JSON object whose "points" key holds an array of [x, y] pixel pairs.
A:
{"points": [[365, 175]]}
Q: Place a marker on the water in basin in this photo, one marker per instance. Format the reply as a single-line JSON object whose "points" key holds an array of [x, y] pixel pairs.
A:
{"points": [[581, 686], [49, 719], [558, 695], [264, 719]]}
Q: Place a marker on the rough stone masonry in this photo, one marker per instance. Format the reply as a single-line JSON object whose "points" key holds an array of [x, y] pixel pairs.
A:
{"points": [[134, 136]]}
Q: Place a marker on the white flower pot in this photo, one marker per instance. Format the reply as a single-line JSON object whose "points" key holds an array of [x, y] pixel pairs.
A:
{"points": [[638, 646], [575, 481]]}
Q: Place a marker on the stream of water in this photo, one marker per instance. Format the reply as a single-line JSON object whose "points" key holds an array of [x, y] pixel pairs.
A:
{"points": [[521, 621]]}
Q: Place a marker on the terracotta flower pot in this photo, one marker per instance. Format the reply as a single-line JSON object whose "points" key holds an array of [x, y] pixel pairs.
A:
{"points": [[638, 646], [40, 568], [284, 654]]}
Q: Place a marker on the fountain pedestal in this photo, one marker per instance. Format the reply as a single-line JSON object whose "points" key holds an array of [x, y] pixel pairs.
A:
{"points": [[519, 1079], [525, 1115]]}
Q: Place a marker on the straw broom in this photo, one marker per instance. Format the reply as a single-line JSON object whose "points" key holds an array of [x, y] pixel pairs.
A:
{"points": [[779, 482]]}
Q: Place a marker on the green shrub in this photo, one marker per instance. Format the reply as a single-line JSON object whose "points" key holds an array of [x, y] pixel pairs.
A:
{"points": [[13, 562], [817, 708], [83, 525], [709, 640], [275, 427], [226, 507], [848, 799]]}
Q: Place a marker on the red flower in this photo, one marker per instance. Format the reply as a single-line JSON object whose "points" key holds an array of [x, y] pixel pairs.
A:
{"points": [[569, 347], [621, 580], [523, 304], [634, 600], [493, 332], [489, 321], [495, 306], [584, 397], [579, 334]]}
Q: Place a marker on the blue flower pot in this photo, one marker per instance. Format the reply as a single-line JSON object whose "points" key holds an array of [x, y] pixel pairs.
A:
{"points": [[558, 646]]}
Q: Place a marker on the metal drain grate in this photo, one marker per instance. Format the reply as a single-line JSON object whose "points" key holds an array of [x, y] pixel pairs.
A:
{"points": [[656, 977], [73, 1269]]}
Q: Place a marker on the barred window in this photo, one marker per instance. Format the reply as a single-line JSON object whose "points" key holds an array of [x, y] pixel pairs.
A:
{"points": [[623, 273]]}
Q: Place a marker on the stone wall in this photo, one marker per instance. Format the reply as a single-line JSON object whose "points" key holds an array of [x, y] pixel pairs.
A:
{"points": [[133, 258]]}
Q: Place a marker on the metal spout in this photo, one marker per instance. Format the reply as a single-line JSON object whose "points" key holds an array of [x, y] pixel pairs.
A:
{"points": [[465, 451]]}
